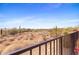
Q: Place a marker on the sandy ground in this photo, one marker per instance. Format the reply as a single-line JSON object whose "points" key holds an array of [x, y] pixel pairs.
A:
{"points": [[10, 43]]}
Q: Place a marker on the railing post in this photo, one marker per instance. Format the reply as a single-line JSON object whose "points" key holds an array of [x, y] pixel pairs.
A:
{"points": [[73, 41], [46, 49], [50, 48], [76, 40], [54, 47], [60, 46], [39, 50], [30, 51], [78, 34]]}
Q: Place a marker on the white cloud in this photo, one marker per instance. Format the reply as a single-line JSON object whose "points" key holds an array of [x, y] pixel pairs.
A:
{"points": [[15, 22], [36, 22], [71, 20], [68, 23]]}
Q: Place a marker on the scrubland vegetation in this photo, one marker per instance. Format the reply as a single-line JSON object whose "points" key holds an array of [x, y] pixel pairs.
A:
{"points": [[13, 39]]}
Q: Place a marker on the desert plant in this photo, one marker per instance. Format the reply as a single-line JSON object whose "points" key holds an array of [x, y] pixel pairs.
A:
{"points": [[13, 31]]}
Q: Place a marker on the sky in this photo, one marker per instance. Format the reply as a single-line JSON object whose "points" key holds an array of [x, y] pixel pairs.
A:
{"points": [[39, 15]]}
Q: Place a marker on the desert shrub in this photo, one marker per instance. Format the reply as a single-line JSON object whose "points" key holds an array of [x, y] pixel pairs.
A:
{"points": [[13, 31], [65, 33], [28, 30], [44, 37]]}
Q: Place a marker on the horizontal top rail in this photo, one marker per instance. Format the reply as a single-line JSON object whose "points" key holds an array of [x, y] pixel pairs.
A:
{"points": [[27, 48]]}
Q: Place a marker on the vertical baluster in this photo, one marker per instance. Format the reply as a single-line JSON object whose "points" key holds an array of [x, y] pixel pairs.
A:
{"points": [[39, 50], [50, 48], [46, 49], [73, 38], [78, 35], [30, 51], [60, 46], [54, 47]]}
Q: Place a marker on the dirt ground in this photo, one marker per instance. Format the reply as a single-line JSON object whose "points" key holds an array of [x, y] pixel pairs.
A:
{"points": [[13, 42]]}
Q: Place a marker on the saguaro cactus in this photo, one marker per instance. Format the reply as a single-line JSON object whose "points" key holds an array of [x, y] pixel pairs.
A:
{"points": [[20, 29], [1, 32], [5, 31]]}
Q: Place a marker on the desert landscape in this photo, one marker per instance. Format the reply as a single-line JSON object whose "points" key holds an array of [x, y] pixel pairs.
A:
{"points": [[51, 27], [12, 42], [12, 39]]}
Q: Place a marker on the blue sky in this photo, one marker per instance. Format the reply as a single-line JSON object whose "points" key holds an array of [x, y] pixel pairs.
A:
{"points": [[39, 15]]}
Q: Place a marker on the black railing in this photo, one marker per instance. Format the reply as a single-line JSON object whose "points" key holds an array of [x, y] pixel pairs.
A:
{"points": [[63, 45]]}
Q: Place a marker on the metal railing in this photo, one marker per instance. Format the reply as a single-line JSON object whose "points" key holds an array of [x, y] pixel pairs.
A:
{"points": [[63, 45]]}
